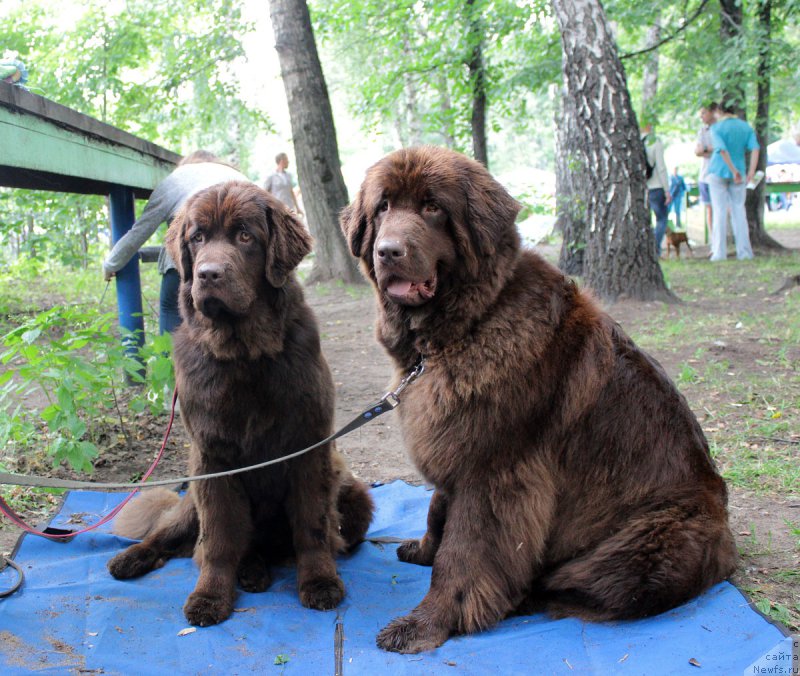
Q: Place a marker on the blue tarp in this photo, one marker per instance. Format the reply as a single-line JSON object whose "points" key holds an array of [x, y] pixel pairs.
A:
{"points": [[71, 616]]}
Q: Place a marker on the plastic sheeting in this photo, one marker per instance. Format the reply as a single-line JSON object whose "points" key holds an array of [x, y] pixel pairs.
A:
{"points": [[71, 616], [785, 151]]}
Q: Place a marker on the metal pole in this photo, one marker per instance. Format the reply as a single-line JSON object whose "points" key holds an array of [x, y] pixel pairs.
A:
{"points": [[129, 287]]}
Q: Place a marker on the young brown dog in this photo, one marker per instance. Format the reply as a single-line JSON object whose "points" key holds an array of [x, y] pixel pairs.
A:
{"points": [[570, 474], [253, 386], [674, 240]]}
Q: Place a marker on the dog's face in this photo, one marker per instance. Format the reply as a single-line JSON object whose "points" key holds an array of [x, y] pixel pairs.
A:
{"points": [[426, 218], [229, 242], [412, 247]]}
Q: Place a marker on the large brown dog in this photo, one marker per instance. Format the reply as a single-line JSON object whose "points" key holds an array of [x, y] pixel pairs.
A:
{"points": [[253, 385], [570, 474]]}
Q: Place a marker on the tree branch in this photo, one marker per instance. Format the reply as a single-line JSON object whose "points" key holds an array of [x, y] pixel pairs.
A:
{"points": [[670, 37]]}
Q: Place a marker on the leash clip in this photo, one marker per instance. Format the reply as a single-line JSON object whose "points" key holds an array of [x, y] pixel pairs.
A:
{"points": [[393, 397]]}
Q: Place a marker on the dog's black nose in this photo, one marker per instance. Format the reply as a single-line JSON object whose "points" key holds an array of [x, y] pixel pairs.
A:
{"points": [[210, 273], [390, 250]]}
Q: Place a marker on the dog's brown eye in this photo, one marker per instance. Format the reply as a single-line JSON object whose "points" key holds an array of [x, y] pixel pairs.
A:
{"points": [[245, 236], [384, 206], [431, 208], [197, 237]]}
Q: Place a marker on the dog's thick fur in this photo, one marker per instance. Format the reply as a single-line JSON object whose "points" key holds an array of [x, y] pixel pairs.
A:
{"points": [[570, 475], [253, 385]]}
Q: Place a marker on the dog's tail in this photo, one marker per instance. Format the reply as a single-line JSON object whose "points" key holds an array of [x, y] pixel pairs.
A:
{"points": [[354, 503], [145, 513]]}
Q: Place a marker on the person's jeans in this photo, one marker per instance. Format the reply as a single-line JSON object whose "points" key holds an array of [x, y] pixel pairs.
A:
{"points": [[658, 203], [727, 195], [676, 206], [168, 316]]}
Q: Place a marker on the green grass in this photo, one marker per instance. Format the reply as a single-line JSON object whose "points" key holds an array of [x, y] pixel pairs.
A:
{"points": [[736, 350]]}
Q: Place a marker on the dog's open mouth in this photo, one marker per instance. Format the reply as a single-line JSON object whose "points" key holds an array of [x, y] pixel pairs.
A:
{"points": [[407, 292]]}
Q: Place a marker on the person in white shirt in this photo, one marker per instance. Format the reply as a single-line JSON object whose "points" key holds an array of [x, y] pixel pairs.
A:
{"points": [[704, 149]]}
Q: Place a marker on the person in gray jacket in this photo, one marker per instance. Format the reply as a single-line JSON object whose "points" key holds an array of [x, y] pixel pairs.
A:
{"points": [[194, 172]]}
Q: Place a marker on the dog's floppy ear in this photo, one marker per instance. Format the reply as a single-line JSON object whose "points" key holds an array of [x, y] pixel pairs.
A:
{"points": [[490, 215], [177, 245], [356, 226], [288, 243]]}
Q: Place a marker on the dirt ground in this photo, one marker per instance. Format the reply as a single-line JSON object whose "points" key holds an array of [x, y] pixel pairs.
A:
{"points": [[375, 452]]}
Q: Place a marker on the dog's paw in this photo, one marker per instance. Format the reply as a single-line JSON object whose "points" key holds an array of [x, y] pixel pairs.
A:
{"points": [[203, 610], [414, 551], [322, 593], [254, 576], [135, 561], [409, 635]]}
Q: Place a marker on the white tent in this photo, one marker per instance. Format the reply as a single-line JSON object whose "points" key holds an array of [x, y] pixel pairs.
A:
{"points": [[785, 151]]}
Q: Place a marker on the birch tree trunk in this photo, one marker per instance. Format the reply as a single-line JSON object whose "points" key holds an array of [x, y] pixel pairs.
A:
{"points": [[620, 255], [314, 136], [571, 189]]}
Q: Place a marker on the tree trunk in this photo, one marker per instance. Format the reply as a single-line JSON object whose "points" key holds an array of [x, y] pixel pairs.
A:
{"points": [[477, 78], [730, 32], [446, 108], [650, 84], [314, 136], [755, 198], [620, 256], [571, 189]]}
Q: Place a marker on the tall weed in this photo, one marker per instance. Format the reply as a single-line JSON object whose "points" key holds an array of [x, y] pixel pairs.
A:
{"points": [[71, 362]]}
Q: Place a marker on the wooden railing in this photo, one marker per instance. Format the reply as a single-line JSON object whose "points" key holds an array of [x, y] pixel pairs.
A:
{"points": [[47, 146]]}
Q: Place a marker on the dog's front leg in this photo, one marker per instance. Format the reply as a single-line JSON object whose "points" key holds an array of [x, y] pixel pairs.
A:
{"points": [[488, 556], [225, 529], [422, 552], [314, 532], [176, 537]]}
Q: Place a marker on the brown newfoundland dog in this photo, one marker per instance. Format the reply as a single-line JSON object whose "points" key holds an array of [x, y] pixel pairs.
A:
{"points": [[570, 474], [253, 386]]}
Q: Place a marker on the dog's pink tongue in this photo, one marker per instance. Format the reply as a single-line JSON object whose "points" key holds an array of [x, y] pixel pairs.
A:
{"points": [[399, 288]]}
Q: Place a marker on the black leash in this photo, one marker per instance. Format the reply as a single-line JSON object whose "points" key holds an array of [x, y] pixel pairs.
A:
{"points": [[389, 401], [20, 576]]}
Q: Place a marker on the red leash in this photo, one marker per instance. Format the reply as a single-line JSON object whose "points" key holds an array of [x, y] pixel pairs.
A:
{"points": [[14, 518]]}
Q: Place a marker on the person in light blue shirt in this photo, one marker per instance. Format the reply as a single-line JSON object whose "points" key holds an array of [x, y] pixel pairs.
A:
{"points": [[677, 189], [727, 181]]}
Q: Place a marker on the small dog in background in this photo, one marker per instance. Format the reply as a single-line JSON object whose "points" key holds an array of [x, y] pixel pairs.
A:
{"points": [[675, 239]]}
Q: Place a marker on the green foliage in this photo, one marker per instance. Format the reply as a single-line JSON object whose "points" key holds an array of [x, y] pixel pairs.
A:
{"points": [[695, 64], [411, 59], [47, 226], [160, 70], [535, 201], [71, 359], [159, 378], [776, 611]]}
